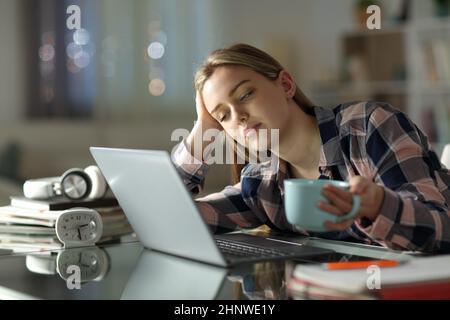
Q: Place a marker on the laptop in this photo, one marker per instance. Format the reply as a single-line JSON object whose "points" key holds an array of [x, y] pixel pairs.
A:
{"points": [[165, 218]]}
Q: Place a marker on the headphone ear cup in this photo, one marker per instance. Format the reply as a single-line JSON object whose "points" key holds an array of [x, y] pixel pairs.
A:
{"points": [[72, 187], [39, 188], [99, 184]]}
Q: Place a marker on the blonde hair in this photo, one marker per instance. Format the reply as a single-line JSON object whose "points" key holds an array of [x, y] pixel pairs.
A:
{"points": [[257, 60]]}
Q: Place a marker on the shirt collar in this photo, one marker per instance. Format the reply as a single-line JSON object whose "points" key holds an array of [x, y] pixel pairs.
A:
{"points": [[331, 152], [275, 169]]}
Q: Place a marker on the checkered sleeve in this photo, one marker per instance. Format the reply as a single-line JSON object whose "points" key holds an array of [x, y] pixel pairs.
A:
{"points": [[414, 214], [191, 170], [226, 210], [223, 211]]}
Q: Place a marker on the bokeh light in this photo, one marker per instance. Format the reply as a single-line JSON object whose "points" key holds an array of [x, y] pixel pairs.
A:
{"points": [[73, 49], [46, 52], [109, 52], [48, 38], [81, 37], [47, 93], [46, 68], [72, 67], [90, 49], [155, 50], [156, 87], [82, 59], [110, 43]]}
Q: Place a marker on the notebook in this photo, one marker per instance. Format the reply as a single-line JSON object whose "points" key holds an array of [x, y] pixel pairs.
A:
{"points": [[422, 273]]}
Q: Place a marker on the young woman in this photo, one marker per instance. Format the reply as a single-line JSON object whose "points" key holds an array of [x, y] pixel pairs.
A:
{"points": [[386, 159]]}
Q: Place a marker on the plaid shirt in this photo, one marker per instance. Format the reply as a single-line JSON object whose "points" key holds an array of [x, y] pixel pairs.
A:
{"points": [[370, 139]]}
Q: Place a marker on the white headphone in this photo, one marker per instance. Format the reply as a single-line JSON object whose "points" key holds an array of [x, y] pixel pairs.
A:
{"points": [[75, 184]]}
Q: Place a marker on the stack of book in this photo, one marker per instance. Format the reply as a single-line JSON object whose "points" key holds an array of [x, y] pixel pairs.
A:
{"points": [[436, 53], [30, 224], [420, 278]]}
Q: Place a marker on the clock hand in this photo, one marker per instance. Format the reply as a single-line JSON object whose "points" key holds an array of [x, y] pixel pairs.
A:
{"points": [[82, 227]]}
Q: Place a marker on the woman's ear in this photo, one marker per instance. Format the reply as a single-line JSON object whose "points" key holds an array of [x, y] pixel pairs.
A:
{"points": [[288, 83]]}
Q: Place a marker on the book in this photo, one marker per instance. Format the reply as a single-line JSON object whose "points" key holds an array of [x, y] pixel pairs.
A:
{"points": [[418, 278], [26, 230], [9, 219], [30, 213], [119, 228], [304, 290], [41, 243], [20, 246], [430, 73], [60, 203], [434, 290], [24, 238], [45, 240], [441, 55], [23, 229], [22, 216]]}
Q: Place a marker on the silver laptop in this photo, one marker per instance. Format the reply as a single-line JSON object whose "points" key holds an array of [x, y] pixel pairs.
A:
{"points": [[164, 216]]}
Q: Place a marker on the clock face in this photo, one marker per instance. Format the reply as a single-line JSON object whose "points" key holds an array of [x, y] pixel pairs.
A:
{"points": [[92, 263], [79, 227]]}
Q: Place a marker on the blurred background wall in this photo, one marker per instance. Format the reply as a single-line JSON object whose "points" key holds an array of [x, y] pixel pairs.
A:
{"points": [[125, 80]]}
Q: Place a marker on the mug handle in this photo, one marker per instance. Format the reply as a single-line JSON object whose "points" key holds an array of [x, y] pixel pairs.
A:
{"points": [[356, 204]]}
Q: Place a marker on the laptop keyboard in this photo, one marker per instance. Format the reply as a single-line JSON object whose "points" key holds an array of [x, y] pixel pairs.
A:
{"points": [[244, 250]]}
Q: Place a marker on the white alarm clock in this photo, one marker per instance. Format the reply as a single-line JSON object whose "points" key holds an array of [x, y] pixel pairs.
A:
{"points": [[79, 227], [92, 261]]}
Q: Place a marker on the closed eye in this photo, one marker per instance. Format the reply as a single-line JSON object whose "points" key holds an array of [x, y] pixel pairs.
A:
{"points": [[222, 117], [246, 95]]}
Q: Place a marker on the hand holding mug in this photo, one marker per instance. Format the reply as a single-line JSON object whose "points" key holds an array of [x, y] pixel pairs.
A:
{"points": [[339, 201], [302, 197]]}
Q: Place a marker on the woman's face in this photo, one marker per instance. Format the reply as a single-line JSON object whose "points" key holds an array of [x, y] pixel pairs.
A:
{"points": [[248, 105]]}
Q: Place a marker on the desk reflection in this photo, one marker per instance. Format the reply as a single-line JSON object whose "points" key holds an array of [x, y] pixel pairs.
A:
{"points": [[163, 277], [128, 271], [166, 277], [88, 264], [263, 281]]}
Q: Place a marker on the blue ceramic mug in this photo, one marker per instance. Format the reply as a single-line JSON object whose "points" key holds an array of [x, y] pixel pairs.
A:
{"points": [[301, 197]]}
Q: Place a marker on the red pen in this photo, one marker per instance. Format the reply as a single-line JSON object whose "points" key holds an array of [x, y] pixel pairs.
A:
{"points": [[361, 264]]}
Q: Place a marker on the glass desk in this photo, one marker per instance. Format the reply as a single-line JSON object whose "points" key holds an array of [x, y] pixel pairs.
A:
{"points": [[129, 271]]}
